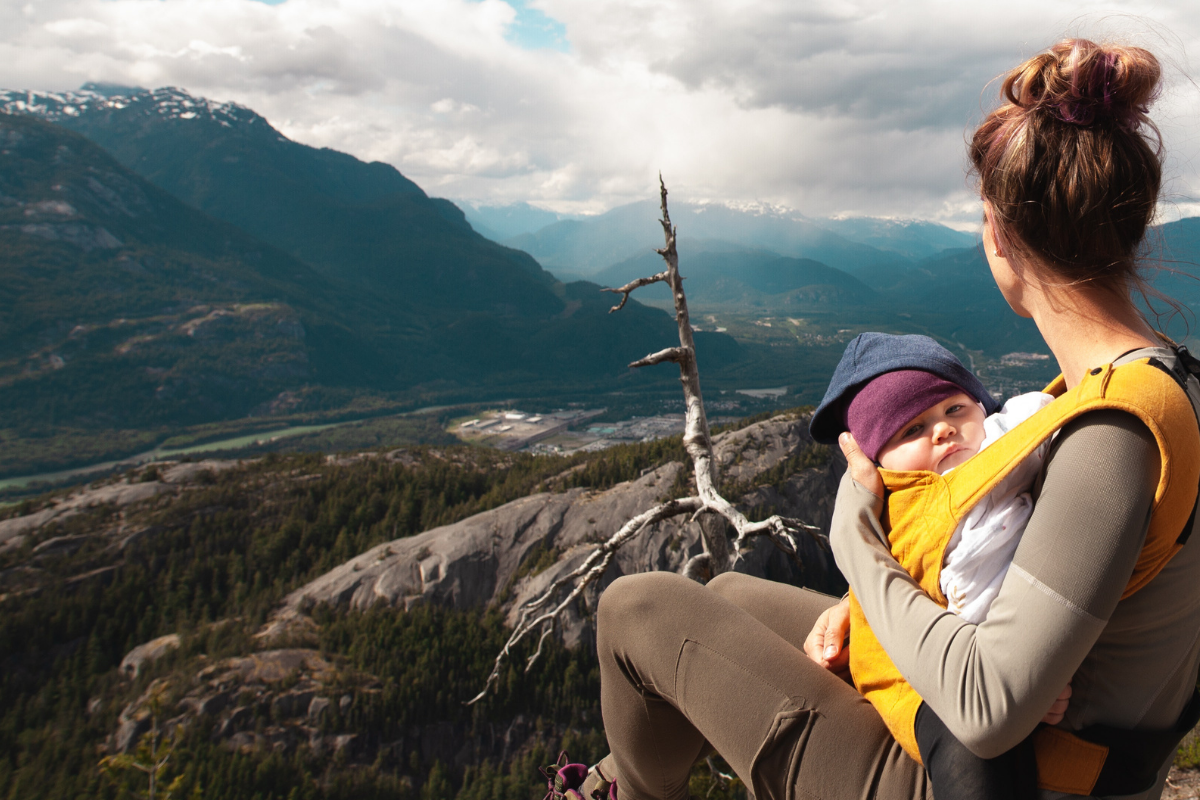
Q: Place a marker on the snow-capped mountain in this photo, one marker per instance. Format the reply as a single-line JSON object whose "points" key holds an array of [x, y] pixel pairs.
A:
{"points": [[167, 102], [360, 223]]}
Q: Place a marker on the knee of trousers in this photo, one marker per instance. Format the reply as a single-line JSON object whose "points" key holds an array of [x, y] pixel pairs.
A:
{"points": [[730, 584], [636, 600]]}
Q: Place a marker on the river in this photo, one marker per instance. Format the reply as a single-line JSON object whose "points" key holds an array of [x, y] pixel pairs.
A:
{"points": [[165, 454]]}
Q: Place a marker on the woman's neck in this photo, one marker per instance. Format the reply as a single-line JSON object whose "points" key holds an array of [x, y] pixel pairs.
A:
{"points": [[1087, 327]]}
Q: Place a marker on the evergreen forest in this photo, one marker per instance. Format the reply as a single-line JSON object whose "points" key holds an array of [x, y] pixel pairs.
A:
{"points": [[211, 562]]}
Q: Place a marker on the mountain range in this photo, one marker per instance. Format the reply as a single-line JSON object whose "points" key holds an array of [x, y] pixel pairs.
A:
{"points": [[119, 301], [905, 276], [500, 222], [721, 274], [580, 248], [171, 261], [363, 224]]}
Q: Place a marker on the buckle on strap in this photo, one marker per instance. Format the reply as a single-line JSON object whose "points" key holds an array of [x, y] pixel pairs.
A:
{"points": [[1189, 361]]}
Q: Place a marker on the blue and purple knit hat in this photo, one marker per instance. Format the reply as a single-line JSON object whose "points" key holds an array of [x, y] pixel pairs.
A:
{"points": [[883, 381]]}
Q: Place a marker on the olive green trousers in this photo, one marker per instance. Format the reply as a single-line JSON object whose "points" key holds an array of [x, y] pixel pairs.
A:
{"points": [[687, 669]]}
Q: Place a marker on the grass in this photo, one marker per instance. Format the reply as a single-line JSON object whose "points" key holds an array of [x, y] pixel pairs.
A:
{"points": [[1188, 754]]}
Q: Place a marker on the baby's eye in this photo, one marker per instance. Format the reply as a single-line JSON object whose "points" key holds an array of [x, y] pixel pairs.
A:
{"points": [[954, 409], [912, 430]]}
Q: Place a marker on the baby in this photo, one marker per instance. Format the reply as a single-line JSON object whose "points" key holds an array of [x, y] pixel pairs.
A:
{"points": [[910, 419], [911, 405]]}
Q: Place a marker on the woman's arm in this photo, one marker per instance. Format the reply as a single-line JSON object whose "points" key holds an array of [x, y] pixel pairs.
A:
{"points": [[991, 683]]}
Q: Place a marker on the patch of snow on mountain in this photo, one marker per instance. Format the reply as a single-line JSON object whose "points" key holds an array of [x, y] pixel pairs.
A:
{"points": [[757, 208], [169, 102]]}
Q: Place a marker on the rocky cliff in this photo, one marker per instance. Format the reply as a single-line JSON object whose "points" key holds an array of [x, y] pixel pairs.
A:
{"points": [[510, 554]]}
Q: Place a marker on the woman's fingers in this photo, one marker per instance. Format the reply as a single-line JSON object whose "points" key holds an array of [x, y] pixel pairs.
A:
{"points": [[834, 651], [814, 644], [826, 643], [861, 468], [1059, 707]]}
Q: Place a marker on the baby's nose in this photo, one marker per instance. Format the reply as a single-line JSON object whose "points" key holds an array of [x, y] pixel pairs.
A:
{"points": [[943, 430]]}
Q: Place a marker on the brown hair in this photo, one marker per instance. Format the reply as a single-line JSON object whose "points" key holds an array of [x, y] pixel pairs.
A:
{"points": [[1070, 165]]}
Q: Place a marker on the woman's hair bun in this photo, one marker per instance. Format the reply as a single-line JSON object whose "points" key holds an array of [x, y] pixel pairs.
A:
{"points": [[1082, 83]]}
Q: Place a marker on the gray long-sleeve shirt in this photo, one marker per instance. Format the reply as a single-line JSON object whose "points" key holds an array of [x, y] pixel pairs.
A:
{"points": [[1059, 617]]}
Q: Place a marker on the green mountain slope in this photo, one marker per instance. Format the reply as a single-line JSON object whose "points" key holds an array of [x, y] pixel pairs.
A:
{"points": [[471, 313], [121, 307], [360, 223], [955, 292], [1173, 265]]}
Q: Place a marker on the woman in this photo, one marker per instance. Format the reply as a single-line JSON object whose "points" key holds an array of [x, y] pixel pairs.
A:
{"points": [[1069, 170]]}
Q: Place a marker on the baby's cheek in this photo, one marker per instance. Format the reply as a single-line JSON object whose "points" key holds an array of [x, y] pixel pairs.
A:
{"points": [[976, 437], [907, 458]]}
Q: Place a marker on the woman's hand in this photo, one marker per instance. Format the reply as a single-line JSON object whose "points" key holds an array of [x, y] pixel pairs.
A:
{"points": [[826, 644], [861, 468], [1058, 708]]}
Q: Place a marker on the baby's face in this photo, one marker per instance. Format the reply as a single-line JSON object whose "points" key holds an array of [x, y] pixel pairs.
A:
{"points": [[939, 438]]}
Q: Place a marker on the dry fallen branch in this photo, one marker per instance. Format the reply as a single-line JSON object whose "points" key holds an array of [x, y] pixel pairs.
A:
{"points": [[720, 778], [708, 506], [582, 576]]}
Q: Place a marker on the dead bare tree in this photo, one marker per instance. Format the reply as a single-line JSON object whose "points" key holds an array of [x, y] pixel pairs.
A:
{"points": [[707, 506]]}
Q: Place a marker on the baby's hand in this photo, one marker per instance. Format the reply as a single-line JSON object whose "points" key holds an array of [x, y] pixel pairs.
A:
{"points": [[1059, 707]]}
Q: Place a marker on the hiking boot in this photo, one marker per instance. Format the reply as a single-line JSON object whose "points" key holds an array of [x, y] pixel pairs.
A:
{"points": [[576, 782]]}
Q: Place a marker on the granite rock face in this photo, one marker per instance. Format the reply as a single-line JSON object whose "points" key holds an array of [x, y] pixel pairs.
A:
{"points": [[172, 478], [135, 659], [508, 554], [263, 699]]}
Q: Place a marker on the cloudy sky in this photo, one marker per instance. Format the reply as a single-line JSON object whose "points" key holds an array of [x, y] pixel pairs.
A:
{"points": [[832, 107]]}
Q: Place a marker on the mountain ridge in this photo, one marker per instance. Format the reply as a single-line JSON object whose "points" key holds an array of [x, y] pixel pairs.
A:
{"points": [[107, 308], [721, 273], [363, 223], [585, 246], [113, 284]]}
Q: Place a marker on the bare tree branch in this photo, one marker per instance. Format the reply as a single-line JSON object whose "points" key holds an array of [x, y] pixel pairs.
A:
{"points": [[675, 354], [720, 778], [593, 567], [628, 288]]}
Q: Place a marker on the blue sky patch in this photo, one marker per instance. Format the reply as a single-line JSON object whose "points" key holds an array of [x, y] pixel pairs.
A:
{"points": [[534, 30], [531, 29]]}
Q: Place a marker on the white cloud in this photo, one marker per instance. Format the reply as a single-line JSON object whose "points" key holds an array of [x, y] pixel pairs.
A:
{"points": [[840, 106], [75, 28]]}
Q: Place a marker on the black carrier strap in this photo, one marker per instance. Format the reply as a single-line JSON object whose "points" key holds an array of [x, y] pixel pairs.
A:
{"points": [[1187, 365], [1135, 757]]}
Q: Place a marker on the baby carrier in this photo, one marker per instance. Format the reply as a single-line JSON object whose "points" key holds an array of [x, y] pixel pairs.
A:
{"points": [[924, 508]]}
